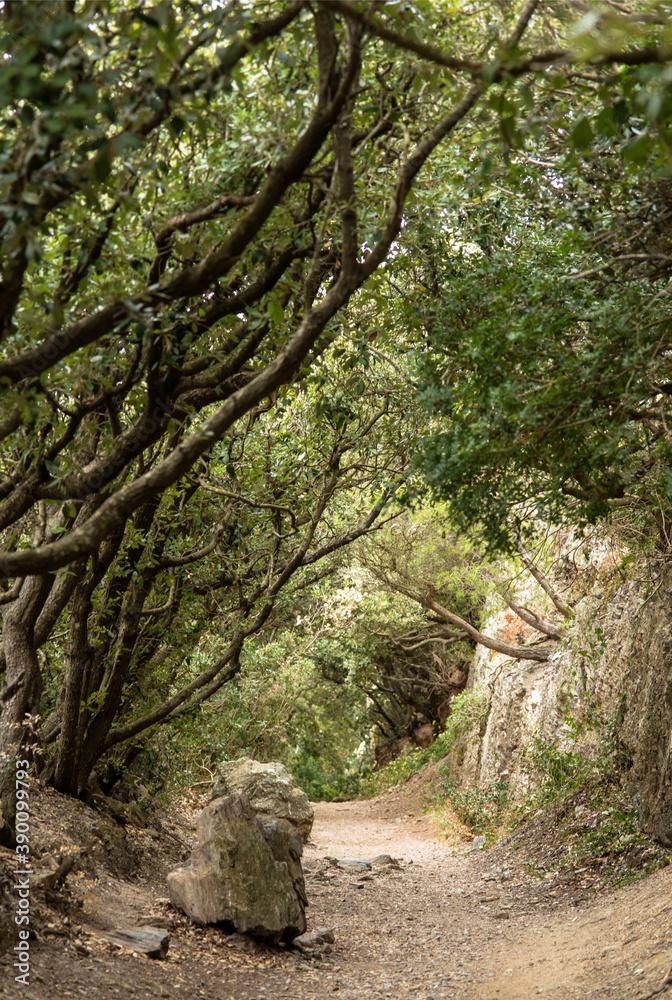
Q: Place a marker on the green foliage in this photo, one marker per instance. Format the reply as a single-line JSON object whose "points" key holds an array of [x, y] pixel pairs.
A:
{"points": [[466, 712], [596, 822], [588, 803], [467, 709], [563, 771], [579, 800], [616, 833], [281, 706], [481, 809], [423, 553], [321, 780], [543, 413], [409, 762], [416, 659], [204, 400]]}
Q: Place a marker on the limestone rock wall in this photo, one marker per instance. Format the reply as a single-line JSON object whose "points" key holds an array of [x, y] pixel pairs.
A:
{"points": [[615, 663]]}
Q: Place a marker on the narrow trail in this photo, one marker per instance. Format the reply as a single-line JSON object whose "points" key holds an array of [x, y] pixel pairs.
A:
{"points": [[449, 926], [442, 924]]}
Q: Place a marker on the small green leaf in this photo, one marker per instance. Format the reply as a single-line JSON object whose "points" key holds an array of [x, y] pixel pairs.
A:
{"points": [[275, 311], [582, 134], [639, 150]]}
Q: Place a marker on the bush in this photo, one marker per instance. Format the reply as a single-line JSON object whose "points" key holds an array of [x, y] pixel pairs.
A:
{"points": [[562, 771], [467, 709], [481, 809]]}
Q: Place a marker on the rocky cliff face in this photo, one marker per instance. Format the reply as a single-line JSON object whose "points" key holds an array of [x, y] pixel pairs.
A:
{"points": [[613, 667]]}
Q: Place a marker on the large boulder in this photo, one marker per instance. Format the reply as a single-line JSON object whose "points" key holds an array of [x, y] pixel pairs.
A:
{"points": [[270, 788], [245, 872]]}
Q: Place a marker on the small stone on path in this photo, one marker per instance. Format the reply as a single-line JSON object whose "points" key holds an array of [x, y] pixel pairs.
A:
{"points": [[150, 941], [353, 864]]}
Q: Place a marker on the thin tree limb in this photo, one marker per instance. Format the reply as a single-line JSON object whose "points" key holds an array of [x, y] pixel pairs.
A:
{"points": [[534, 620], [517, 652], [545, 583]]}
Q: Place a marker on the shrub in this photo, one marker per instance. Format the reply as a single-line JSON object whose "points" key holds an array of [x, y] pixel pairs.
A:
{"points": [[481, 809], [467, 709]]}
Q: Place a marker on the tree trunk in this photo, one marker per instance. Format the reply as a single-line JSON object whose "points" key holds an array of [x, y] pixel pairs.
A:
{"points": [[22, 690], [80, 655], [96, 674]]}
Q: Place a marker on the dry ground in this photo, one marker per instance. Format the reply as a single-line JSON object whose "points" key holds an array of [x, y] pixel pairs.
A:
{"points": [[447, 924]]}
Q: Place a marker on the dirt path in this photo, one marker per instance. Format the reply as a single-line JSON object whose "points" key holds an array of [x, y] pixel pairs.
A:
{"points": [[462, 926], [444, 924]]}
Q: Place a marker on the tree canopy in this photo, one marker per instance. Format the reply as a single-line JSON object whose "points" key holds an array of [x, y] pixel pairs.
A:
{"points": [[241, 243]]}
